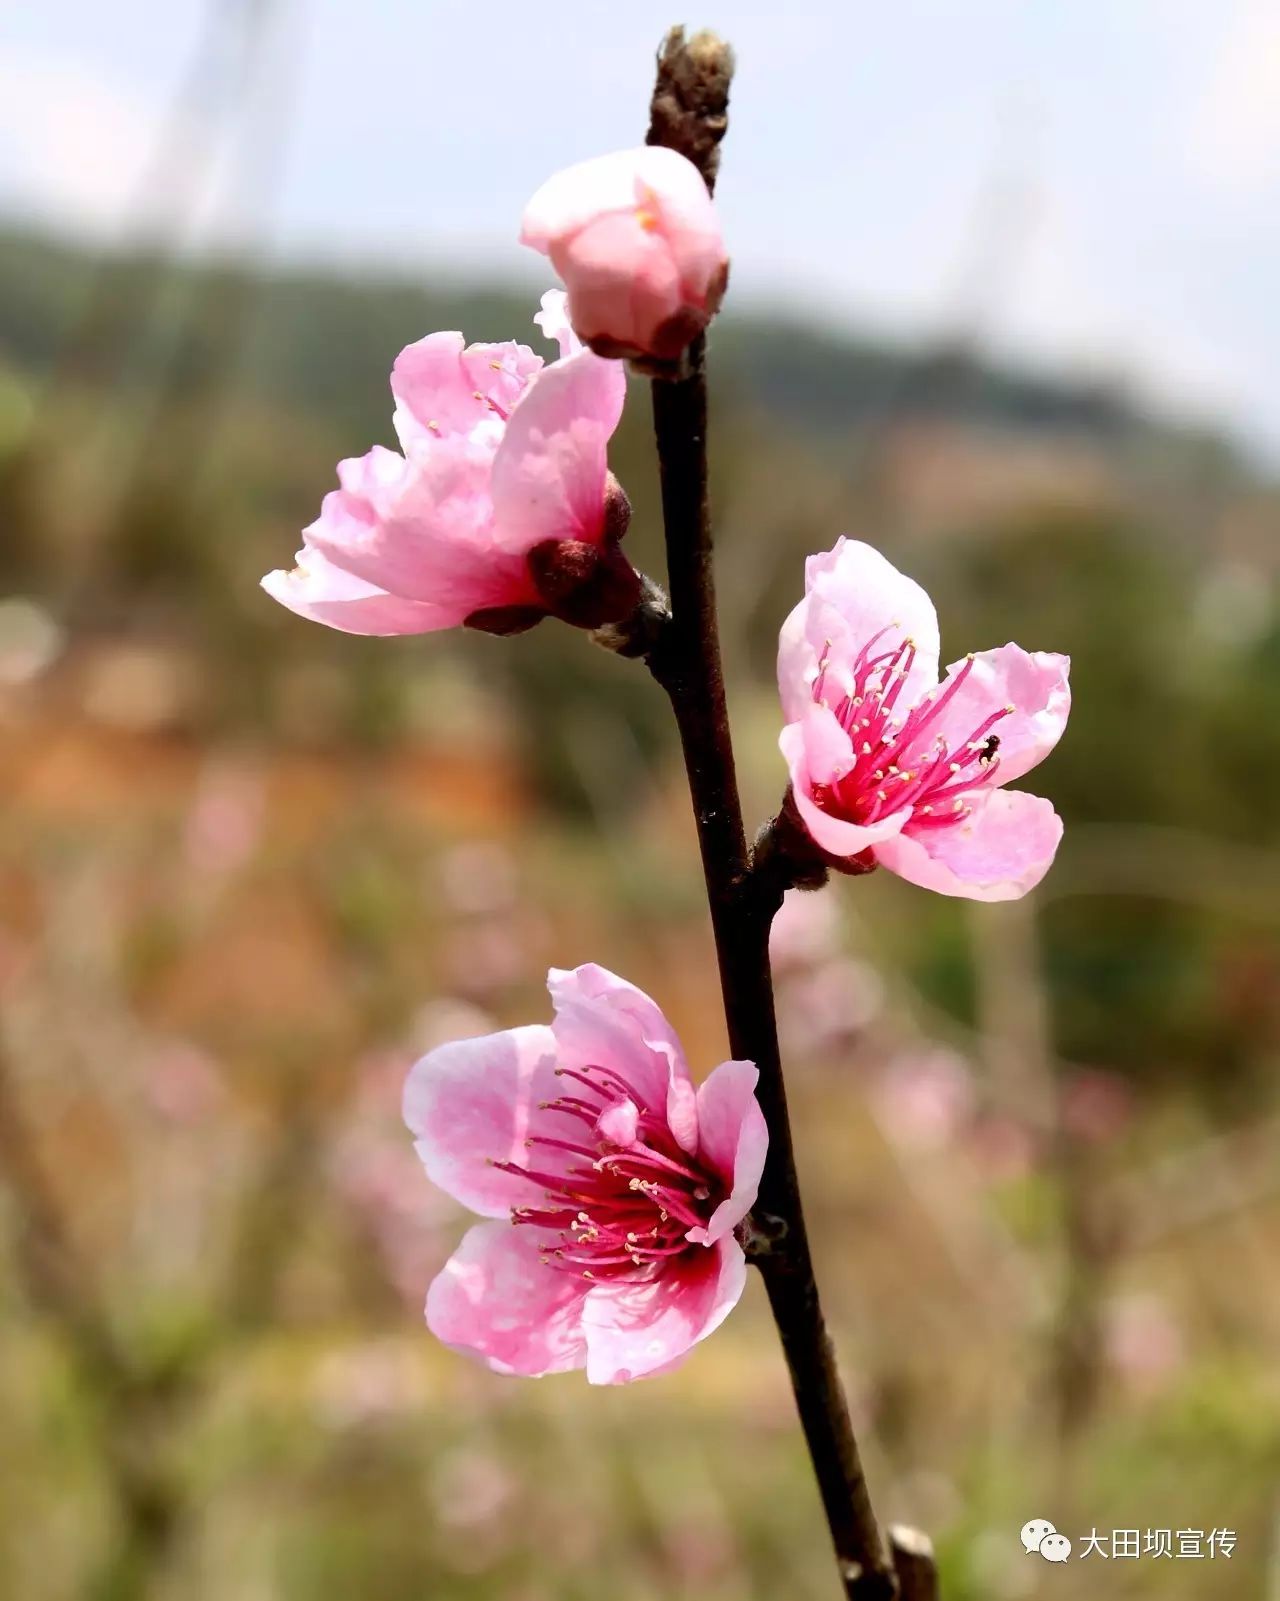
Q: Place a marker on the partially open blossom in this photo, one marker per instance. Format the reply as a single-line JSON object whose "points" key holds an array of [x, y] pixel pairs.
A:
{"points": [[636, 239], [888, 766], [501, 509], [612, 1186]]}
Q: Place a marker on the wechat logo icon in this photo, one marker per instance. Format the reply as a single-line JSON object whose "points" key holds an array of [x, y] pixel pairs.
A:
{"points": [[1040, 1535]]}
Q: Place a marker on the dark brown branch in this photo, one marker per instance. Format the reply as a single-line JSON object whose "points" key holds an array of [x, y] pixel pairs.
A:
{"points": [[692, 86]]}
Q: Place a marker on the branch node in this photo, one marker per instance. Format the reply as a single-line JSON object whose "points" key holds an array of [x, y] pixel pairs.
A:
{"points": [[763, 1234], [913, 1563]]}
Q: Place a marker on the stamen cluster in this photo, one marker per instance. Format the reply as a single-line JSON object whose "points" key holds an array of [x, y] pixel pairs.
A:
{"points": [[617, 1210]]}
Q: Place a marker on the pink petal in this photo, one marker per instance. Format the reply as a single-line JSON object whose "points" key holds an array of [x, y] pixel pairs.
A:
{"points": [[443, 388], [601, 1020], [621, 181], [474, 1102], [832, 834], [549, 472], [496, 1300], [1033, 683], [852, 593], [635, 1330], [828, 749], [323, 593], [732, 1141], [423, 531], [553, 320], [999, 853], [620, 1122], [624, 279]]}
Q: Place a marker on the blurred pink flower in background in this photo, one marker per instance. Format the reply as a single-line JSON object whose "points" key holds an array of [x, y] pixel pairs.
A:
{"points": [[471, 1489], [827, 1007], [1143, 1340], [618, 1186], [636, 239], [890, 768], [1096, 1106], [806, 929], [924, 1098], [378, 1176], [486, 958], [1003, 1148], [225, 821], [500, 511], [182, 1083], [478, 877], [374, 1382], [825, 999]]}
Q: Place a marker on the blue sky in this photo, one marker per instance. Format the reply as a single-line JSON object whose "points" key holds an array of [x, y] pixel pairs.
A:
{"points": [[1078, 181]]}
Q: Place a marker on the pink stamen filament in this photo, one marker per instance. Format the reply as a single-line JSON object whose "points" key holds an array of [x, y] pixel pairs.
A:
{"points": [[628, 1209], [890, 769]]}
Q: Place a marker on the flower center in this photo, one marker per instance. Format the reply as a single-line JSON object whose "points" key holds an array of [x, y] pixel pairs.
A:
{"points": [[622, 1202], [897, 760]]}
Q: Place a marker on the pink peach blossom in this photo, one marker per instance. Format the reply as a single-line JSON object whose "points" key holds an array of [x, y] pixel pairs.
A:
{"points": [[888, 766], [636, 239], [614, 1188], [500, 510]]}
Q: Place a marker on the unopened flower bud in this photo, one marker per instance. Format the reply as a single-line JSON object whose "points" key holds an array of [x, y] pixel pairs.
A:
{"points": [[636, 239]]}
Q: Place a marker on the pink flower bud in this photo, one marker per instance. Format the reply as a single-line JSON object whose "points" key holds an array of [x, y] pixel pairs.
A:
{"points": [[636, 239]]}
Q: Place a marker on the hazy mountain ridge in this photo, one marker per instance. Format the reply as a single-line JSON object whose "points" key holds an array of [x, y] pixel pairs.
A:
{"points": [[321, 339]]}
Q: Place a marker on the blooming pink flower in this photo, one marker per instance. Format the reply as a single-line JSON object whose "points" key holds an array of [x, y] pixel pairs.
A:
{"points": [[501, 509], [636, 239], [614, 1187], [889, 767]]}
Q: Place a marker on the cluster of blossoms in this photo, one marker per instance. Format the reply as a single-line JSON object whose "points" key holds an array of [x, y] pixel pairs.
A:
{"points": [[612, 1188]]}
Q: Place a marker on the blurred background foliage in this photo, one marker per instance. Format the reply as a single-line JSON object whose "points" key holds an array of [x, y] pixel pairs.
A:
{"points": [[250, 867]]}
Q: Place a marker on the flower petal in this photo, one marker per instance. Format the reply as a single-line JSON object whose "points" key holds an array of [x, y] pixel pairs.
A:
{"points": [[323, 593], [998, 853], [853, 594], [732, 1141], [601, 1020], [810, 741], [1034, 683], [620, 181], [422, 529], [634, 1330], [549, 472], [444, 389], [553, 320], [471, 1103], [497, 1300]]}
